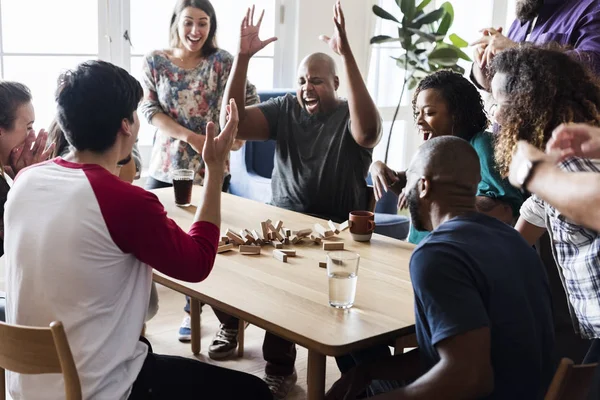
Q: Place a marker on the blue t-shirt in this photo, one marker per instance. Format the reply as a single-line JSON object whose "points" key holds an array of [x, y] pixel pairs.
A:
{"points": [[475, 271]]}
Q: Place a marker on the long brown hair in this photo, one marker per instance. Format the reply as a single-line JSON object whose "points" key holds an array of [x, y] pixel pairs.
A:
{"points": [[210, 46], [545, 87]]}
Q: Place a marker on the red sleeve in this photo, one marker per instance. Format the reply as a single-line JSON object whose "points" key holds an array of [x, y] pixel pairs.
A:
{"points": [[138, 224]]}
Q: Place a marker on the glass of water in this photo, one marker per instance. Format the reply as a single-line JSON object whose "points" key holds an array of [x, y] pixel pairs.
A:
{"points": [[342, 272]]}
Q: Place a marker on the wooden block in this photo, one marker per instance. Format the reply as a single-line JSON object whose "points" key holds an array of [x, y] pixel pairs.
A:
{"points": [[250, 249], [303, 232], [265, 230], [250, 239], [333, 227], [287, 232], [255, 235], [235, 238], [322, 264], [223, 243], [345, 226], [277, 244], [289, 252], [225, 239], [316, 239], [281, 256], [223, 249], [278, 225], [322, 231], [286, 240], [294, 239], [333, 245], [275, 232]]}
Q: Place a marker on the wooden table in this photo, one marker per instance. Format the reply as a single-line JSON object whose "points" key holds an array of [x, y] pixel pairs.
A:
{"points": [[291, 299]]}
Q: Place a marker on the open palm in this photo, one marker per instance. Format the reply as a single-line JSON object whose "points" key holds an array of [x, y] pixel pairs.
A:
{"points": [[250, 42], [339, 41], [217, 148]]}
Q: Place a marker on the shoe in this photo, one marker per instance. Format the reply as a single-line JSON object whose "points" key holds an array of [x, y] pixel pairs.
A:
{"points": [[224, 343], [280, 386], [185, 330]]}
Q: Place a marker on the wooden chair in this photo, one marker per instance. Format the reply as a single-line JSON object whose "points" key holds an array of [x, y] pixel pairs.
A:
{"points": [[28, 350], [572, 382]]}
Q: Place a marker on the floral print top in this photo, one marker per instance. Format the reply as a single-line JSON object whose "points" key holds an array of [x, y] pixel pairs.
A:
{"points": [[192, 97]]}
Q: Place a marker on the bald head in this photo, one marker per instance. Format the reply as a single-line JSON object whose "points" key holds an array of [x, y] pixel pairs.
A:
{"points": [[320, 60], [317, 84]]}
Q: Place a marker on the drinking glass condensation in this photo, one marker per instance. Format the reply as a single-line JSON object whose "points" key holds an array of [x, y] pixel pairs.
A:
{"points": [[342, 272], [183, 180]]}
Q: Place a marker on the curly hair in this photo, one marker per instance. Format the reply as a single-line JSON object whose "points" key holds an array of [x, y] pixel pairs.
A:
{"points": [[462, 99], [545, 87]]}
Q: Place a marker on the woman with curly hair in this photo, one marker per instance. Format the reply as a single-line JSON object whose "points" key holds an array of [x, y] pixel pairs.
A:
{"points": [[445, 103], [536, 90]]}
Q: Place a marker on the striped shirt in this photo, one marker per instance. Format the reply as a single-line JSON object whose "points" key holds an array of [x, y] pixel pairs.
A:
{"points": [[576, 251]]}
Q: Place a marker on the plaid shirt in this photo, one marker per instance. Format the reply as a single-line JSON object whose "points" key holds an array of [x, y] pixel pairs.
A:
{"points": [[576, 251]]}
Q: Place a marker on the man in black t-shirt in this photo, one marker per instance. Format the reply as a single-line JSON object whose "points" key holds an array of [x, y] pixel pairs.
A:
{"points": [[482, 300], [322, 157]]}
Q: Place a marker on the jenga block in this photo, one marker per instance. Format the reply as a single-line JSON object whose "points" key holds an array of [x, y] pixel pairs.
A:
{"points": [[316, 239], [295, 239], [225, 239], [287, 232], [250, 239], [289, 252], [286, 240], [265, 230], [275, 232], [255, 235], [224, 248], [322, 231], [281, 256], [277, 244], [235, 238], [345, 226], [250, 250], [333, 245], [271, 236], [322, 264], [303, 232], [333, 227], [278, 225]]}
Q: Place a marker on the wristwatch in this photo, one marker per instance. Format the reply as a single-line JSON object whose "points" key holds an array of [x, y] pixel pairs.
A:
{"points": [[525, 172]]}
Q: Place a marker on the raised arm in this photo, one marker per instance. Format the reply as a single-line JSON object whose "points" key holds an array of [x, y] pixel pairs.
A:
{"points": [[253, 124], [365, 121]]}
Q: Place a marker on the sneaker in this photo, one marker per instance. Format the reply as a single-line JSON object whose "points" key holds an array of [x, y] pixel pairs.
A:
{"points": [[280, 386], [185, 330], [224, 343]]}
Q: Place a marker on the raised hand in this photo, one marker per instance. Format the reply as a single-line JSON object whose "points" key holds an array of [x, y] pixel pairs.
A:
{"points": [[216, 149], [339, 41], [383, 177], [575, 140], [491, 43], [32, 151], [250, 43]]}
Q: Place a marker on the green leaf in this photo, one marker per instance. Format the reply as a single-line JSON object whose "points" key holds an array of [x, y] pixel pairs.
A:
{"points": [[446, 56], [449, 9], [413, 83], [447, 20], [381, 13], [458, 41], [383, 39], [429, 18], [458, 68], [423, 4], [429, 37], [408, 8]]}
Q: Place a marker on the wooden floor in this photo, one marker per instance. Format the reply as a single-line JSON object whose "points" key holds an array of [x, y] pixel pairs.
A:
{"points": [[162, 330]]}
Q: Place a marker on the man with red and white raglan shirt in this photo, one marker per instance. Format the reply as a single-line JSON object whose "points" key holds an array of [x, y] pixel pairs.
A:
{"points": [[83, 243]]}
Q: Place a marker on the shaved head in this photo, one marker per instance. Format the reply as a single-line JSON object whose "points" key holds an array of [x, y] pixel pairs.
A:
{"points": [[443, 175], [317, 84], [320, 59]]}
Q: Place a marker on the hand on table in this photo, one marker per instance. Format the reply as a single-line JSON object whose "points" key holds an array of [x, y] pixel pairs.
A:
{"points": [[250, 43], [574, 140]]}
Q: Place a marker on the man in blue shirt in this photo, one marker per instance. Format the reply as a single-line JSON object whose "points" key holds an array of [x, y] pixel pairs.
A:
{"points": [[482, 301]]}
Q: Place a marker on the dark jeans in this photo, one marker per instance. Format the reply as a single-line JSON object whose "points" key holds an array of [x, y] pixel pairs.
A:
{"points": [[168, 377], [349, 361]]}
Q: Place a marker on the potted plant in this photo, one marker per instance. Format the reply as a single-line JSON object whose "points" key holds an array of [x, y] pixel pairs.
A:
{"points": [[422, 36]]}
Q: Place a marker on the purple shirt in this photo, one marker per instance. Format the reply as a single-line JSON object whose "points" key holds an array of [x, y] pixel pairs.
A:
{"points": [[574, 23]]}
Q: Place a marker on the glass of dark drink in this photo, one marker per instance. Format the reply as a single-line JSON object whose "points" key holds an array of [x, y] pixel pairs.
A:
{"points": [[183, 180]]}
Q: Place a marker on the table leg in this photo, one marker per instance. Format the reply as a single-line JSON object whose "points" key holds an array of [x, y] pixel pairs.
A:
{"points": [[241, 334], [195, 316], [316, 375]]}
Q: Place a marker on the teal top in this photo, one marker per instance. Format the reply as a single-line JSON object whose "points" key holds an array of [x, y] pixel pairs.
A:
{"points": [[492, 184]]}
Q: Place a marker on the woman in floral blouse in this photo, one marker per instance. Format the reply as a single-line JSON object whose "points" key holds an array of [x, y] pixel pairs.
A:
{"points": [[184, 87]]}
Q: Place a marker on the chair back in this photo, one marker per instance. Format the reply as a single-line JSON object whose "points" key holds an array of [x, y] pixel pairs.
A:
{"points": [[28, 350], [572, 382]]}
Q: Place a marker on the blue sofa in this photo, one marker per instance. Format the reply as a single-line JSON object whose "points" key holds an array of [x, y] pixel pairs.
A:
{"points": [[252, 166]]}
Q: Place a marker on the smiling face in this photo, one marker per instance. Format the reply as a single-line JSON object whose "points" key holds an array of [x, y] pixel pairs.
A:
{"points": [[317, 84], [432, 115], [193, 29], [15, 135]]}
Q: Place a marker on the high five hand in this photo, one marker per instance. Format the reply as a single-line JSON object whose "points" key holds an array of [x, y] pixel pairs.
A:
{"points": [[339, 41], [216, 149], [250, 43]]}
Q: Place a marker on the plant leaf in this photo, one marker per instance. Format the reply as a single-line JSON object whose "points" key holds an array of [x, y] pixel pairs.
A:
{"points": [[447, 20], [429, 37], [413, 83], [446, 56], [381, 13], [458, 41], [423, 4], [383, 39], [408, 8], [429, 18]]}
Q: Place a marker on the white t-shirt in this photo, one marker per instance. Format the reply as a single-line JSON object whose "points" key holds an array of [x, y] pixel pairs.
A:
{"points": [[79, 244]]}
